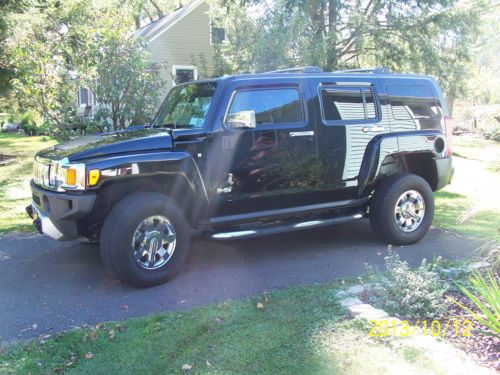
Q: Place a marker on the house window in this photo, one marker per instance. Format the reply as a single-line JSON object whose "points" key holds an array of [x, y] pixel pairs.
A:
{"points": [[217, 35], [84, 97], [271, 106], [184, 73], [348, 104]]}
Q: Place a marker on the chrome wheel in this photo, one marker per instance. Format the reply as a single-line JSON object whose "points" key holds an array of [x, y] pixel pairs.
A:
{"points": [[409, 211], [153, 243]]}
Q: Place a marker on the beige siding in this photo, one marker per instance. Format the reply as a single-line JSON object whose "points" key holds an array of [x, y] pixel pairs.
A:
{"points": [[183, 42]]}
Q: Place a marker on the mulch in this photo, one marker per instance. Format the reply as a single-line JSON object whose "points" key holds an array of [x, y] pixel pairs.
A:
{"points": [[483, 349]]}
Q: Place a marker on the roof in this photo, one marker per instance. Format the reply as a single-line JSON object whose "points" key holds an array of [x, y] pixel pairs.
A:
{"points": [[153, 30]]}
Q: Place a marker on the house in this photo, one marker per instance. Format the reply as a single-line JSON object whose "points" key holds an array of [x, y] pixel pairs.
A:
{"points": [[183, 40]]}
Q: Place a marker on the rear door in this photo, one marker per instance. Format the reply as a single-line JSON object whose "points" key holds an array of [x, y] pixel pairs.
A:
{"points": [[349, 114], [274, 165]]}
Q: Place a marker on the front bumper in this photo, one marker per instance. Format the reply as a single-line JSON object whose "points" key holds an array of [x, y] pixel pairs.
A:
{"points": [[59, 215]]}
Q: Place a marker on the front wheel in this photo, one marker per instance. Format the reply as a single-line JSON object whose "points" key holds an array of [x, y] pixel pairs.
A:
{"points": [[402, 208], [145, 239]]}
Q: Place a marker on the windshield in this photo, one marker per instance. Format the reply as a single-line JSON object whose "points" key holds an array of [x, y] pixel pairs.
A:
{"points": [[186, 106]]}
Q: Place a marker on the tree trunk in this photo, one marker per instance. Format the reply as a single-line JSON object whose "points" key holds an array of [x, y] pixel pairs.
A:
{"points": [[331, 48]]}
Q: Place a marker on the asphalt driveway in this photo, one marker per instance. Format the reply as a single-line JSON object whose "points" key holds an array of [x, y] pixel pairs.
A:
{"points": [[48, 286]]}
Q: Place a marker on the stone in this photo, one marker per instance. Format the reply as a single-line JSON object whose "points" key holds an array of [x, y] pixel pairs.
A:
{"points": [[350, 301], [365, 311], [356, 289], [477, 265], [342, 294]]}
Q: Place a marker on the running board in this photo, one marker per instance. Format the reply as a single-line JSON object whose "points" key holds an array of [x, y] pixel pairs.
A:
{"points": [[248, 233]]}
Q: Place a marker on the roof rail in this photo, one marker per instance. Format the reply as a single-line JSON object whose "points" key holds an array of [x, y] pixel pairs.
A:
{"points": [[369, 70], [303, 69]]}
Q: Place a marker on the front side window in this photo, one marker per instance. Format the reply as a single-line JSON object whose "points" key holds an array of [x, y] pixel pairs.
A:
{"points": [[271, 106], [186, 106], [348, 103]]}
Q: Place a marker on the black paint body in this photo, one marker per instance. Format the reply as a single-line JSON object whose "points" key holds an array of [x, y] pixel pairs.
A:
{"points": [[276, 174]]}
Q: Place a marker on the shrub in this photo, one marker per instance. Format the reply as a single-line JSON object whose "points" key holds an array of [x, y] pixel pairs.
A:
{"points": [[485, 295], [415, 293]]}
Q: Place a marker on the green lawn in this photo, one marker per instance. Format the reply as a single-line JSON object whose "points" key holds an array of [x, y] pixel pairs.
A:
{"points": [[300, 330], [15, 174], [471, 204]]}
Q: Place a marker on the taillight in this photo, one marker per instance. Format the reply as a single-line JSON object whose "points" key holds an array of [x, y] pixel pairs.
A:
{"points": [[448, 130]]}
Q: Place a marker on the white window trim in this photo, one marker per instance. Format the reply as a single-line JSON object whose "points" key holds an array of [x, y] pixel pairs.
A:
{"points": [[225, 41], [186, 67], [90, 97]]}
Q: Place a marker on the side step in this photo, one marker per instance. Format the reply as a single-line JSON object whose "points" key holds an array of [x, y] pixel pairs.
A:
{"points": [[248, 233]]}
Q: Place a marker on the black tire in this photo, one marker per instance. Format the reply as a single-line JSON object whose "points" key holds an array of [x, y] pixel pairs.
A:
{"points": [[383, 203], [118, 230]]}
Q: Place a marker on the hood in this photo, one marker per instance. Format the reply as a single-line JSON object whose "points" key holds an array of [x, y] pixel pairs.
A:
{"points": [[119, 142]]}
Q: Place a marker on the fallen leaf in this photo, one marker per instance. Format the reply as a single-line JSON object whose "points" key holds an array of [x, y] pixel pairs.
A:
{"points": [[219, 319], [208, 363], [89, 355], [69, 364], [111, 334], [93, 335], [186, 367], [58, 370], [260, 306]]}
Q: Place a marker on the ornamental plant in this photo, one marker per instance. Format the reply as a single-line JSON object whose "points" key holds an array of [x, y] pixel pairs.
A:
{"points": [[416, 293], [485, 295]]}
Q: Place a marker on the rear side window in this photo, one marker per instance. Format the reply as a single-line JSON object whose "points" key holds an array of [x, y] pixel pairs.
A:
{"points": [[415, 103], [348, 104], [271, 106]]}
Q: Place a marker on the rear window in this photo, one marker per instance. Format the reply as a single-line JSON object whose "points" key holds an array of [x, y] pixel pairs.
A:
{"points": [[271, 106], [348, 104], [415, 103]]}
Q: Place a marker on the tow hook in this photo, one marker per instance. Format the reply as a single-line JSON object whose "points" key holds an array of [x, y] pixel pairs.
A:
{"points": [[37, 223]]}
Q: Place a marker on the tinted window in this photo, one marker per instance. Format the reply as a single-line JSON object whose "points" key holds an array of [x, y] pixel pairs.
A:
{"points": [[271, 106], [415, 103], [348, 103]]}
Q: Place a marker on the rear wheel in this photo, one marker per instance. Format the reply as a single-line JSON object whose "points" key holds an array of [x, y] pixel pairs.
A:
{"points": [[145, 239], [402, 208]]}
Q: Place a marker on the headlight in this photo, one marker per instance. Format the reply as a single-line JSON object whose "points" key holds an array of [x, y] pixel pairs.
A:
{"points": [[68, 176]]}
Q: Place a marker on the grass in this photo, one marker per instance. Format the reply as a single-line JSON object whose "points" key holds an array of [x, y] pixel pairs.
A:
{"points": [[15, 175], [300, 330], [471, 204]]}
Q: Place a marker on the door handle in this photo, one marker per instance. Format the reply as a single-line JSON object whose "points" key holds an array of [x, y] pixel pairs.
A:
{"points": [[373, 129], [302, 134]]}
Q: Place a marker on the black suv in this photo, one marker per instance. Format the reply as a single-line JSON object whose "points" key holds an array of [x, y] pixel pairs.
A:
{"points": [[247, 155]]}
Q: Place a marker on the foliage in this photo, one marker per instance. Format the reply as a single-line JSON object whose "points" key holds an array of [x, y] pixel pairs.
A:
{"points": [[485, 295], [410, 293], [432, 37], [119, 71], [42, 80]]}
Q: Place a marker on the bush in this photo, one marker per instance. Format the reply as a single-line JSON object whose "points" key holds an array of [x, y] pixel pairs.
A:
{"points": [[415, 293], [29, 129]]}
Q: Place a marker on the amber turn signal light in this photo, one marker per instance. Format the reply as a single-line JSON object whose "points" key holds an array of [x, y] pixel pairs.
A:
{"points": [[70, 177], [94, 175]]}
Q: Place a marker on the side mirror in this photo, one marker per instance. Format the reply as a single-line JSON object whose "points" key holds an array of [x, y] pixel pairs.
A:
{"points": [[241, 120]]}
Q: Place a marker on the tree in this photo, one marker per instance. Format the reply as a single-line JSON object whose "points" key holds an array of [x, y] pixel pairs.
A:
{"points": [[119, 71], [428, 36], [42, 80]]}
